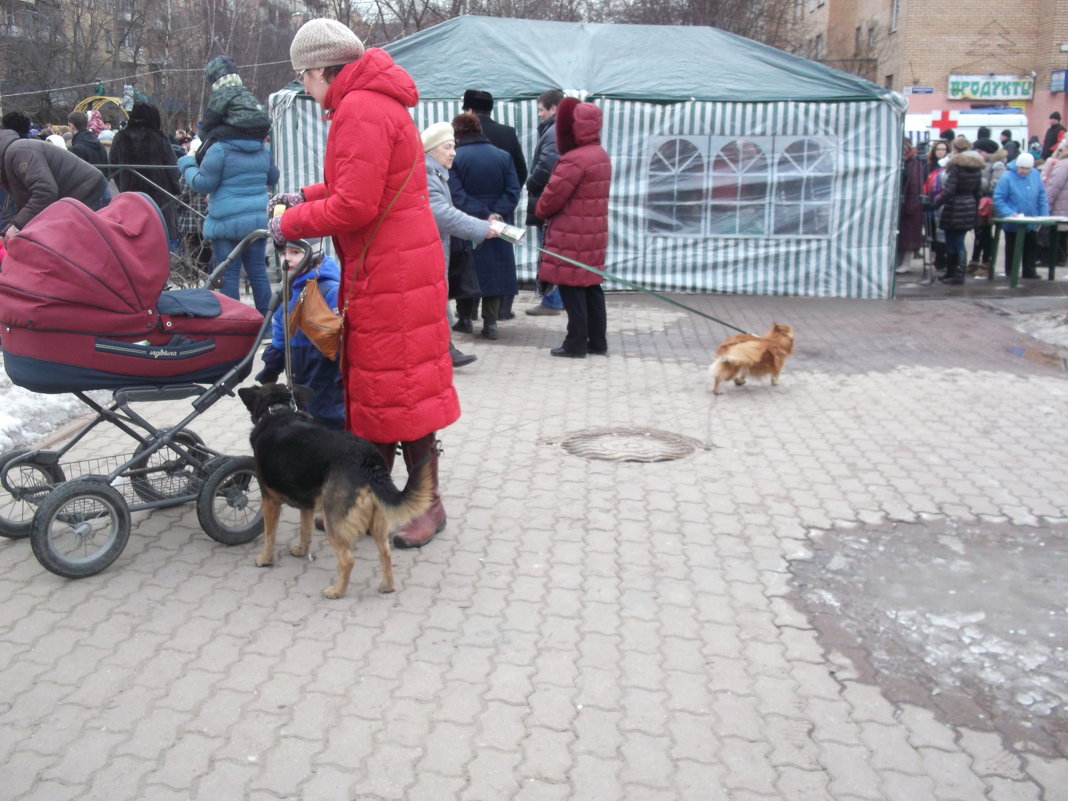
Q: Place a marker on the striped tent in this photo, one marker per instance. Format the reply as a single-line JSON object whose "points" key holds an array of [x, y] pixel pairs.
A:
{"points": [[736, 167]]}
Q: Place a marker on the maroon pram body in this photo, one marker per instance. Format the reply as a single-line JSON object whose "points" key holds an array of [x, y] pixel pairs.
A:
{"points": [[83, 306]]}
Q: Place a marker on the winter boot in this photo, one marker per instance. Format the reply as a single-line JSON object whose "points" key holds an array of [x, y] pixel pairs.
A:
{"points": [[953, 272], [459, 359], [422, 529], [389, 453]]}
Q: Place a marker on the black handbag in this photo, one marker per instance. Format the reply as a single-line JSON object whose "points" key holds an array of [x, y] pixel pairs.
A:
{"points": [[463, 280]]}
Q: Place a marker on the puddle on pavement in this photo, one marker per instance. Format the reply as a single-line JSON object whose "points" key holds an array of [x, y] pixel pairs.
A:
{"points": [[968, 620]]}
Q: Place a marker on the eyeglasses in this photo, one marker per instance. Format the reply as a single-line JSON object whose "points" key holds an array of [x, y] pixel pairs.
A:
{"points": [[300, 73]]}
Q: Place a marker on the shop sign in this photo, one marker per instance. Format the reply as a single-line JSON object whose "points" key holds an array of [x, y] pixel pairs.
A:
{"points": [[1058, 81], [991, 87]]}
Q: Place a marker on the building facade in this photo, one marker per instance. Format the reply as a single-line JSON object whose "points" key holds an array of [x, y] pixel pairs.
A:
{"points": [[949, 56]]}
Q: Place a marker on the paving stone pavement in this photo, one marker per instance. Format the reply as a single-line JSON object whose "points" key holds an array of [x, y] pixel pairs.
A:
{"points": [[582, 629]]}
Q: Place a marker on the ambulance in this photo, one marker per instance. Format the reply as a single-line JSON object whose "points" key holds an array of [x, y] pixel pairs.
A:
{"points": [[921, 128]]}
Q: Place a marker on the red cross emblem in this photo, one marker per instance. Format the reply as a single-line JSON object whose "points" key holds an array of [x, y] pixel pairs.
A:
{"points": [[945, 122]]}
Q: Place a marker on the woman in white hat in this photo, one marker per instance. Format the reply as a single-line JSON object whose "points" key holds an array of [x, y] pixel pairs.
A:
{"points": [[373, 202], [457, 228]]}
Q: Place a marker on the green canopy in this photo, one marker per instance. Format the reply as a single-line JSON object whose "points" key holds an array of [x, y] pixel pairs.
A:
{"points": [[516, 58]]}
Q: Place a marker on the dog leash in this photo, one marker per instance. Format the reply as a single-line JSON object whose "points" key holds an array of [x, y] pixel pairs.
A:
{"points": [[637, 286]]}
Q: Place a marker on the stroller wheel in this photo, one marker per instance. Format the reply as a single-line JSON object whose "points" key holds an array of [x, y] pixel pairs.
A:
{"points": [[167, 473], [25, 485], [80, 527], [230, 506]]}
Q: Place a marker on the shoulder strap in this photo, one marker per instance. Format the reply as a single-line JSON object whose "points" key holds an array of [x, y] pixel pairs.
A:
{"points": [[370, 238]]}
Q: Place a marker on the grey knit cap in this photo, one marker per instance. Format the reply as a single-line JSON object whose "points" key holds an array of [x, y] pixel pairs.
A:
{"points": [[324, 43]]}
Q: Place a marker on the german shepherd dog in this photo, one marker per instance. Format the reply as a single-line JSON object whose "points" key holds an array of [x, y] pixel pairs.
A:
{"points": [[306, 465], [744, 354]]}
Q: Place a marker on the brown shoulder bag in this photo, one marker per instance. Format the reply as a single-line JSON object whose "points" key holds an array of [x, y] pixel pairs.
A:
{"points": [[312, 315]]}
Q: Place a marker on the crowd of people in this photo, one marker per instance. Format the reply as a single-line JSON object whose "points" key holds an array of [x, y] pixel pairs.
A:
{"points": [[961, 186]]}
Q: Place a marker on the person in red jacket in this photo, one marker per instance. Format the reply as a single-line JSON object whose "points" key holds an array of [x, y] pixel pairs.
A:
{"points": [[373, 202], [575, 208]]}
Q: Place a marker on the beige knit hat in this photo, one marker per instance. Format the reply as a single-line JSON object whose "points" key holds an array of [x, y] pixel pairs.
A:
{"points": [[437, 134], [324, 43]]}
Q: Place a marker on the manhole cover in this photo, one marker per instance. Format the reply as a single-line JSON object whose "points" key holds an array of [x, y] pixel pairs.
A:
{"points": [[629, 445]]}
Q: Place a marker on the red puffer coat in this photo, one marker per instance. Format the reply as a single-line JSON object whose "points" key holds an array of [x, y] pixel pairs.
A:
{"points": [[396, 368], [575, 201]]}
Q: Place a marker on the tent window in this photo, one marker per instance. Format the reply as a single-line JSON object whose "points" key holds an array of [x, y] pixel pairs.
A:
{"points": [[758, 186], [675, 202], [803, 189], [739, 192]]}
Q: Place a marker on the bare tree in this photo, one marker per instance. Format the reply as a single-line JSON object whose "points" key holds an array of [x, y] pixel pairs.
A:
{"points": [[162, 46]]}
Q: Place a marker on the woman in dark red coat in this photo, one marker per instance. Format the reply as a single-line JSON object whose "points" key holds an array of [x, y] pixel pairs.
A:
{"points": [[575, 208], [373, 202]]}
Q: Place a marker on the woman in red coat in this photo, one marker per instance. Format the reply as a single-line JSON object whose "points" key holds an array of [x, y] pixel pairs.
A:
{"points": [[574, 205], [373, 202]]}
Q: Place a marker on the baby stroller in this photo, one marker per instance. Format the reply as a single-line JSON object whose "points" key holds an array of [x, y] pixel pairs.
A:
{"points": [[83, 307]]}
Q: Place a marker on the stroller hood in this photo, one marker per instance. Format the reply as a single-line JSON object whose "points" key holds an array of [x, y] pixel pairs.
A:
{"points": [[71, 268]]}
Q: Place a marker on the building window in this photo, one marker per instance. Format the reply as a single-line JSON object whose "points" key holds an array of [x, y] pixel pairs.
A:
{"points": [[889, 82], [873, 32], [894, 9], [819, 47], [748, 187]]}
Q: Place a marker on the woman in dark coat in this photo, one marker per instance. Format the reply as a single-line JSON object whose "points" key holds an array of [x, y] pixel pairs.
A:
{"points": [[910, 226], [484, 184], [143, 142], [961, 189]]}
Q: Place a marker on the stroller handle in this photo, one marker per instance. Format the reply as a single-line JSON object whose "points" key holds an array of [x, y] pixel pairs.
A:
{"points": [[214, 281]]}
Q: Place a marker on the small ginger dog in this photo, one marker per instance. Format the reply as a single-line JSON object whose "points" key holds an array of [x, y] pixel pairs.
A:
{"points": [[745, 355]]}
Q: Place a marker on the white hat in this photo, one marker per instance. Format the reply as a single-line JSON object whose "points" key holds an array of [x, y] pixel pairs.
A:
{"points": [[1025, 160], [437, 134], [324, 42], [57, 140]]}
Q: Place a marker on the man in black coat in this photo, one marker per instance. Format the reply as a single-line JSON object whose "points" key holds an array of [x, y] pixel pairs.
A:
{"points": [[504, 137], [480, 103], [85, 145], [1012, 148], [1049, 144]]}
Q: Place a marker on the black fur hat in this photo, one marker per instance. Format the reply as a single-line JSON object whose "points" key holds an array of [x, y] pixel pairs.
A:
{"points": [[478, 100]]}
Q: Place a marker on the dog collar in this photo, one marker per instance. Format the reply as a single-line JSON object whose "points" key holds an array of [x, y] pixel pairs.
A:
{"points": [[285, 408]]}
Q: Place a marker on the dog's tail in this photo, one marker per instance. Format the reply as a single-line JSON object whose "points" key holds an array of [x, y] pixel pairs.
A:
{"points": [[403, 505], [741, 354]]}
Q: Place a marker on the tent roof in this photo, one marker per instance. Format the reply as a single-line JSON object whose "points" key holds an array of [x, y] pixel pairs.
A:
{"points": [[514, 58]]}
